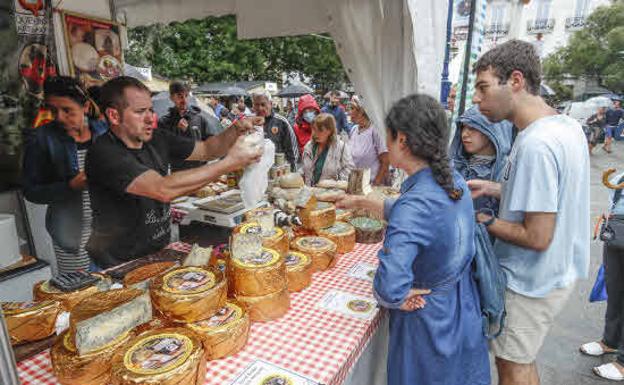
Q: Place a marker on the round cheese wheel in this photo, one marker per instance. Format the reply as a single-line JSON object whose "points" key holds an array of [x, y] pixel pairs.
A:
{"points": [[329, 195], [266, 307], [30, 321], [276, 240], [342, 234], [320, 249], [368, 230], [225, 333], [170, 356], [44, 290], [189, 294], [93, 368], [292, 180], [343, 215], [141, 277], [323, 215], [258, 275], [298, 271], [252, 214]]}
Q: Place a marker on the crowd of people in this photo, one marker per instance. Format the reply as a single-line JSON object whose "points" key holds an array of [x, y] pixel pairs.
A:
{"points": [[515, 167]]}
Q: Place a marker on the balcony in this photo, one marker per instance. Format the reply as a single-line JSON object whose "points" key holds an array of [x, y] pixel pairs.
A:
{"points": [[497, 29], [540, 26], [575, 23]]}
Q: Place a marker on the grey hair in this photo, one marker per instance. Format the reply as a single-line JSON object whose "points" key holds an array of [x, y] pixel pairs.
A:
{"points": [[261, 94]]}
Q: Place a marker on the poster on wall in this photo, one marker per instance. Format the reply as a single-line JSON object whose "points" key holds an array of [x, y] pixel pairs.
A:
{"points": [[93, 48], [35, 49]]}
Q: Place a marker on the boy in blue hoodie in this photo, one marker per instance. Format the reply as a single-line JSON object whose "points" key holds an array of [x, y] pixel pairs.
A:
{"points": [[479, 150]]}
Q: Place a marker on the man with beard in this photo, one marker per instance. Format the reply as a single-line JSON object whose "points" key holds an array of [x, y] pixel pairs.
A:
{"points": [[127, 171]]}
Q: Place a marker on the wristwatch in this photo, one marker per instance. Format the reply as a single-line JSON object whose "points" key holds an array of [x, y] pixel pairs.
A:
{"points": [[489, 212]]}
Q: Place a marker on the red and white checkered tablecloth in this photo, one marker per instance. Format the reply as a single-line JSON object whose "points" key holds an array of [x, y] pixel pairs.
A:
{"points": [[315, 343]]}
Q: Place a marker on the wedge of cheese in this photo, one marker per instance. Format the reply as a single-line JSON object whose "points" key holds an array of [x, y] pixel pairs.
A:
{"points": [[100, 319], [141, 277]]}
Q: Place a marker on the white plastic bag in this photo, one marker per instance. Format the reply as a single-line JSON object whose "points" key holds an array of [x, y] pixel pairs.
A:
{"points": [[255, 179]]}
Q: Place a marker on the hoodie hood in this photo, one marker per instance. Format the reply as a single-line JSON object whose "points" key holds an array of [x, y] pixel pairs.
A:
{"points": [[500, 134], [306, 101]]}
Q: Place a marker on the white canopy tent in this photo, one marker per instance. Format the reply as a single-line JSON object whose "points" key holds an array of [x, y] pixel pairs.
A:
{"points": [[389, 48]]}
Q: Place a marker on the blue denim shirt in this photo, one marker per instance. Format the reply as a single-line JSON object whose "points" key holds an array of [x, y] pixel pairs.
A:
{"points": [[50, 162], [429, 239]]}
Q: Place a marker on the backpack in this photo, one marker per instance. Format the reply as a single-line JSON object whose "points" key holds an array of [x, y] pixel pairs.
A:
{"points": [[491, 283]]}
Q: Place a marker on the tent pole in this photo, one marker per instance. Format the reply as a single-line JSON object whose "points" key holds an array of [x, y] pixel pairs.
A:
{"points": [[464, 91], [446, 84]]}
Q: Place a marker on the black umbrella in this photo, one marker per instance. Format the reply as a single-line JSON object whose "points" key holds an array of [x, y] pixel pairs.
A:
{"points": [[295, 90], [233, 91]]}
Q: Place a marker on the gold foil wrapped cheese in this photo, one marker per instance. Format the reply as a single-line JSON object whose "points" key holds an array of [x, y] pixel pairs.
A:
{"points": [[251, 215], [320, 249], [141, 277], [343, 215], [92, 369], [100, 319], [170, 356], [323, 215], [342, 234], [266, 307], [257, 275], [298, 271], [277, 239], [44, 290], [225, 333], [189, 294], [30, 321]]}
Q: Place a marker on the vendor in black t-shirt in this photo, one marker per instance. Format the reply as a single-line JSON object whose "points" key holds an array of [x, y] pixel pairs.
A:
{"points": [[127, 172]]}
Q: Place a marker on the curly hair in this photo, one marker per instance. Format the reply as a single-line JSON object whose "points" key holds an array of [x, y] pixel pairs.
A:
{"points": [[423, 121]]}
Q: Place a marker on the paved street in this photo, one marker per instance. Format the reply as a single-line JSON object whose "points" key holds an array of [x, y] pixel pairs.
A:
{"points": [[560, 362]]}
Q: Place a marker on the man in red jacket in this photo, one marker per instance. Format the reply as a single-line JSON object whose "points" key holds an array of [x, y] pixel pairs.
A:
{"points": [[307, 111]]}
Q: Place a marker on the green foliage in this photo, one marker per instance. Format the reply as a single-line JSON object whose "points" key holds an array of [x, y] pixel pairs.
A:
{"points": [[595, 51], [208, 51]]}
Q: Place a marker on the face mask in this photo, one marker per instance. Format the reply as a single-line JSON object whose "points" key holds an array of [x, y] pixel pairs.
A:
{"points": [[309, 116]]}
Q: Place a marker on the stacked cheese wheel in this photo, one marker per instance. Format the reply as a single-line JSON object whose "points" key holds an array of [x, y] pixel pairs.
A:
{"points": [[320, 216], [30, 321], [342, 234], [259, 282], [321, 250], [276, 238], [298, 271]]}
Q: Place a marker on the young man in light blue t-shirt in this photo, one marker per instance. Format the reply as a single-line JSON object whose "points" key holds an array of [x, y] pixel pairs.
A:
{"points": [[543, 228]]}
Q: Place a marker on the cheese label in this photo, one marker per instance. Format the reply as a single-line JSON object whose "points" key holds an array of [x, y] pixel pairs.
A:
{"points": [[266, 258], [10, 308], [313, 242], [338, 228], [294, 259], [225, 316], [276, 379], [255, 228], [189, 280], [158, 353], [359, 306]]}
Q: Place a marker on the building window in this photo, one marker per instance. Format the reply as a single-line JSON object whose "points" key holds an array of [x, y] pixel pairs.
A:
{"points": [[581, 8], [543, 9]]}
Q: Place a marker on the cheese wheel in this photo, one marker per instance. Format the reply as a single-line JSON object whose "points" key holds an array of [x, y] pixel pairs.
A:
{"points": [[93, 368], [329, 195], [190, 293], [321, 250], [326, 184], [266, 307], [258, 275], [44, 290], [170, 356], [292, 180], [30, 321], [298, 271], [342, 234], [225, 333], [343, 215], [101, 318], [368, 230], [276, 240], [252, 214], [324, 215], [141, 277]]}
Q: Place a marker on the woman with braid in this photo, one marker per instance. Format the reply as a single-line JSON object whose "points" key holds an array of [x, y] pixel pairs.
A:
{"points": [[424, 276]]}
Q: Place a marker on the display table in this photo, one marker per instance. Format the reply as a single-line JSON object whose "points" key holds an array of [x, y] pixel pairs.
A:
{"points": [[318, 344]]}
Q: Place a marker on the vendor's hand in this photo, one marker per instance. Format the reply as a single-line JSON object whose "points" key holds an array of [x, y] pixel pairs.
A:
{"points": [[183, 124], [479, 188], [242, 154], [245, 125], [415, 300], [79, 182], [348, 202]]}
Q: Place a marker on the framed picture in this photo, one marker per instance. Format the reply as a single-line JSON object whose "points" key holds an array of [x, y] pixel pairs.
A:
{"points": [[93, 48]]}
